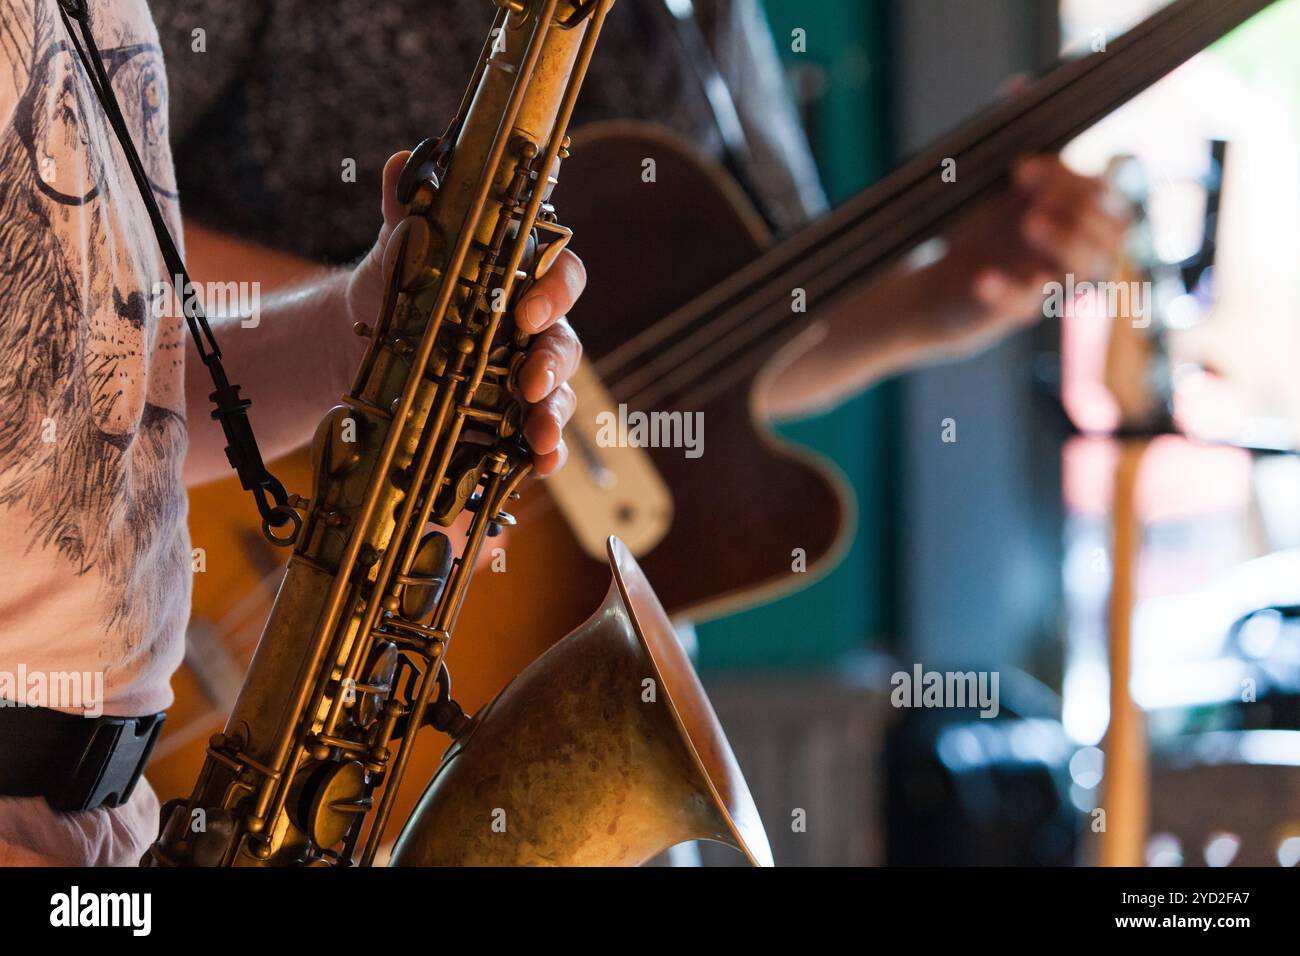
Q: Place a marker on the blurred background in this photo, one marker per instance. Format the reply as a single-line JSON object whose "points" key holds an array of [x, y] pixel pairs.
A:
{"points": [[994, 553]]}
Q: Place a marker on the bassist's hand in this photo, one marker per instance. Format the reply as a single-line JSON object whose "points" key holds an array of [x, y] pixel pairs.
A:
{"points": [[1069, 224], [1003, 255], [987, 282]]}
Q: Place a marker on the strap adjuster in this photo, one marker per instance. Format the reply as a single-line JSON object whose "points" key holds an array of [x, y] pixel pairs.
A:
{"points": [[110, 765]]}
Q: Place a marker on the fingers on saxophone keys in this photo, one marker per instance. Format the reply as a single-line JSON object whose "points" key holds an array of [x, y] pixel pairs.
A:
{"points": [[545, 421], [553, 295], [551, 462], [552, 358]]}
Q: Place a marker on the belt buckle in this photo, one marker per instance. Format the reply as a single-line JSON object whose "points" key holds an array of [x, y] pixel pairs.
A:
{"points": [[111, 763]]}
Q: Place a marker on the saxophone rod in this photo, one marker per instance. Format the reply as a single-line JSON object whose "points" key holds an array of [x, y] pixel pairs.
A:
{"points": [[449, 436], [274, 793], [427, 682], [450, 611]]}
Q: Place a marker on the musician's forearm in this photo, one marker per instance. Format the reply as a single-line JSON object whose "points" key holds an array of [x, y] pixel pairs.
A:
{"points": [[867, 337], [293, 358]]}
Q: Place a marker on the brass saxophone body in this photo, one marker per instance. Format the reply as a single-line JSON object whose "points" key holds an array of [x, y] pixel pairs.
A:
{"points": [[350, 664]]}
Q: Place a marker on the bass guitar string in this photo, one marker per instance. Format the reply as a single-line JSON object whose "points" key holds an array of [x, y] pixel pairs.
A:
{"points": [[843, 254]]}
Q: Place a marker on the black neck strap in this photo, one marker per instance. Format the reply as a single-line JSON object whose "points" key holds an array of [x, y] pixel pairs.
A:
{"points": [[229, 409]]}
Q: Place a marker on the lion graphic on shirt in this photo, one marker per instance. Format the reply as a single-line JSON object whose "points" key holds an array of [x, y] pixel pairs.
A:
{"points": [[92, 436]]}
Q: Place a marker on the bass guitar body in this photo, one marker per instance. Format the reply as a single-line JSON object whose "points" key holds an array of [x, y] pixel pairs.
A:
{"points": [[752, 518]]}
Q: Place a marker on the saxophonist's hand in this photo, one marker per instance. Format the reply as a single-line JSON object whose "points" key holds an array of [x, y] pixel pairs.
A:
{"points": [[555, 350]]}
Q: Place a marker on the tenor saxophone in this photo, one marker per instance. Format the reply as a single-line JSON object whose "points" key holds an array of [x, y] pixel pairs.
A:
{"points": [[350, 664]]}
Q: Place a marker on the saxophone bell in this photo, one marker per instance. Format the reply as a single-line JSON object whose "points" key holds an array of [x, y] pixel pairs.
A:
{"points": [[604, 751]]}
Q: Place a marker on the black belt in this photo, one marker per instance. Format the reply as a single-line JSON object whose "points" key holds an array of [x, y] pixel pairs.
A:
{"points": [[75, 763]]}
